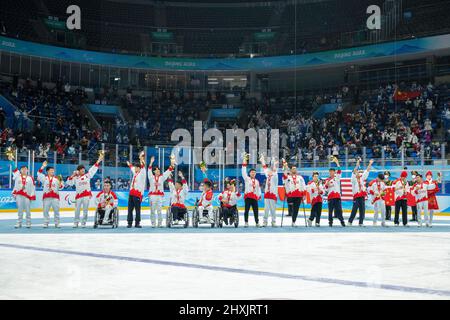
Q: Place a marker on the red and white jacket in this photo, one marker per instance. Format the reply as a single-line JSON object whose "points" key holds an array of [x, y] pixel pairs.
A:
{"points": [[315, 191], [359, 185], [178, 197], [138, 182], [420, 190], [157, 182], [23, 186], [252, 187], [334, 187], [83, 183], [401, 190], [106, 200], [206, 199], [50, 185], [231, 196], [435, 189], [294, 184], [271, 188], [376, 188]]}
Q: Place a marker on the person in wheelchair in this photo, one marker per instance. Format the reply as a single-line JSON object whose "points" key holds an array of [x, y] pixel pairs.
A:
{"points": [[178, 194], [228, 201], [106, 203], [205, 202]]}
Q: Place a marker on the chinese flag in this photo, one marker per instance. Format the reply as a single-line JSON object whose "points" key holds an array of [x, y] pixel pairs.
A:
{"points": [[411, 200], [281, 193], [405, 95], [389, 197], [308, 197]]}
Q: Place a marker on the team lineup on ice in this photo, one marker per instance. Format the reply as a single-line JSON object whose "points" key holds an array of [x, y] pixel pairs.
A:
{"points": [[268, 262], [420, 195]]}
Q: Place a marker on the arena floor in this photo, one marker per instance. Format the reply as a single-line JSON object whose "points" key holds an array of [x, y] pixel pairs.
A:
{"points": [[265, 263]]}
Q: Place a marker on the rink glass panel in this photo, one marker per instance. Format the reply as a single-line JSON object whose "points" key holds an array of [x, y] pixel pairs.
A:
{"points": [[115, 167]]}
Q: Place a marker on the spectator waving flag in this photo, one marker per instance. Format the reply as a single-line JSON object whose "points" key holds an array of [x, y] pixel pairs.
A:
{"points": [[405, 95]]}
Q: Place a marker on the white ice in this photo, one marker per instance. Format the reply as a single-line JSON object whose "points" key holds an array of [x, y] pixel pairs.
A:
{"points": [[265, 263]]}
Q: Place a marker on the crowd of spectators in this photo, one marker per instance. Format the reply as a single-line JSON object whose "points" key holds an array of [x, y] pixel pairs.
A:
{"points": [[50, 120], [47, 120], [380, 124]]}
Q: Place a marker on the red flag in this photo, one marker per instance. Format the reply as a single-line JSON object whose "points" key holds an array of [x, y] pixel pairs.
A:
{"points": [[411, 200], [389, 197], [308, 197], [281, 193], [405, 95]]}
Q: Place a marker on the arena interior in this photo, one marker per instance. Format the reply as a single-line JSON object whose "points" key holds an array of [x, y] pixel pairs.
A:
{"points": [[344, 195]]}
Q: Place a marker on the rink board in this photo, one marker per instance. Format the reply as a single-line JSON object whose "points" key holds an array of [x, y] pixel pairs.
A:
{"points": [[8, 204]]}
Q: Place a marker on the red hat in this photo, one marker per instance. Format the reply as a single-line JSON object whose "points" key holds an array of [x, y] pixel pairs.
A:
{"points": [[404, 174], [429, 173]]}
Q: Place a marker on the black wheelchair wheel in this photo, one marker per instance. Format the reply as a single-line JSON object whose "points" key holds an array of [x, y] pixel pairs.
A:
{"points": [[186, 219], [195, 218], [116, 218], [170, 215], [236, 218], [96, 219], [213, 218]]}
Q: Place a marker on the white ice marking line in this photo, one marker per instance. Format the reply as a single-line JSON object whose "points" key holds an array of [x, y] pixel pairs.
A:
{"points": [[236, 270]]}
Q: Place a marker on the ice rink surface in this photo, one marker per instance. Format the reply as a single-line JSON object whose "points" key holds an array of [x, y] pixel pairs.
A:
{"points": [[228, 263]]}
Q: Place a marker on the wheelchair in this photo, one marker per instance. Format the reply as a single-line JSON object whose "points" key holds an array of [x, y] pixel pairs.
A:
{"points": [[113, 223], [233, 220], [170, 222], [204, 218]]}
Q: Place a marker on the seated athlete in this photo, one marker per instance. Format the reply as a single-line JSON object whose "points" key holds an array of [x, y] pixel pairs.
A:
{"points": [[178, 194], [106, 202], [205, 203], [228, 201]]}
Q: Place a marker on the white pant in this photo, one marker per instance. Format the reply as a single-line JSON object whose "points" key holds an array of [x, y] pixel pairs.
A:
{"points": [[379, 206], [48, 204], [78, 203], [155, 208], [23, 204], [422, 206], [431, 211], [270, 206]]}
